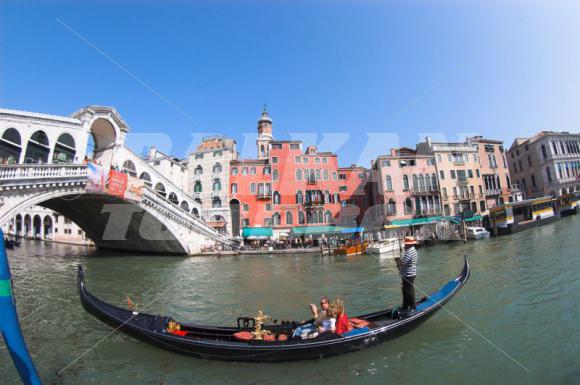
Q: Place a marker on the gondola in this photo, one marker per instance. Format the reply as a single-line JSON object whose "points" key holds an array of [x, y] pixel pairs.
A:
{"points": [[220, 343]]}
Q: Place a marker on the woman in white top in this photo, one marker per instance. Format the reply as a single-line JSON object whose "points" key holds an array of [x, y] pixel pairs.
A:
{"points": [[329, 322]]}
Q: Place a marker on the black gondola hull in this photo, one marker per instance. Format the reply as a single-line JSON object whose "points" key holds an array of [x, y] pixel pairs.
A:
{"points": [[150, 329]]}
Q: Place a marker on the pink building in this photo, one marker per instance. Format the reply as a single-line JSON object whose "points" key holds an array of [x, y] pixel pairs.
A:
{"points": [[406, 185], [353, 187]]}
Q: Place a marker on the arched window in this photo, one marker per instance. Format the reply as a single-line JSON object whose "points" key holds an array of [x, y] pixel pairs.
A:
{"points": [[318, 175], [129, 168], [328, 216], [388, 183], [405, 182], [216, 203], [391, 208], [320, 217], [408, 206], [217, 168], [184, 206], [172, 197], [197, 187], [549, 174], [427, 183], [434, 182], [275, 175], [309, 217], [146, 178], [160, 189], [195, 212], [298, 174], [277, 219], [64, 149], [198, 201], [544, 154], [217, 185], [37, 149], [301, 218], [198, 170], [325, 174], [276, 198], [11, 146], [288, 217], [312, 175], [421, 183], [415, 183], [326, 199], [299, 198]]}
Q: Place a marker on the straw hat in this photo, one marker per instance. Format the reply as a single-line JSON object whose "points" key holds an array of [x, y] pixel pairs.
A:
{"points": [[410, 241]]}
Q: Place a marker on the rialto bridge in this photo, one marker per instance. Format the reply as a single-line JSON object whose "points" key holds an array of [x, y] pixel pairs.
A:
{"points": [[44, 161]]}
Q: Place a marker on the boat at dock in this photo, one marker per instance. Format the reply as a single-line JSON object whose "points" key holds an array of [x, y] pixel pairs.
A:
{"points": [[477, 233], [514, 217], [386, 246], [351, 249]]}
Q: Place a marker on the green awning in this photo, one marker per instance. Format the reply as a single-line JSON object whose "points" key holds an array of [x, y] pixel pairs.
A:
{"points": [[412, 222], [257, 232], [473, 218], [319, 230]]}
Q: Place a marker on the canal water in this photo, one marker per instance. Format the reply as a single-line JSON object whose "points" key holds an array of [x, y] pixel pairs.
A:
{"points": [[515, 322]]}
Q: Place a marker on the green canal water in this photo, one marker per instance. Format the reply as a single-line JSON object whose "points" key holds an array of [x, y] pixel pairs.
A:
{"points": [[517, 319]]}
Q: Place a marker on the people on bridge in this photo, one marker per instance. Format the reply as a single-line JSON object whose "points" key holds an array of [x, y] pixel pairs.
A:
{"points": [[408, 271]]}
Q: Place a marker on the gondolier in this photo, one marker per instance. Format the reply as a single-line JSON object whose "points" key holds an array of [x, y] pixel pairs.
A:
{"points": [[408, 271]]}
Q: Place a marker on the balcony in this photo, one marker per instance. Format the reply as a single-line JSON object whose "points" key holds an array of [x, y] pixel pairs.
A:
{"points": [[463, 182], [310, 181], [197, 195], [313, 204], [492, 191], [265, 195], [216, 194]]}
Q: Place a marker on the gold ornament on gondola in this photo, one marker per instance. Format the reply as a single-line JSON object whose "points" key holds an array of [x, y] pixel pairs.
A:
{"points": [[258, 333]]}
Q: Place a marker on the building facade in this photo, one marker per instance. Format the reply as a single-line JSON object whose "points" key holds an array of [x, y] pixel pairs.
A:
{"points": [[546, 164], [354, 188], [494, 173], [208, 180], [459, 175]]}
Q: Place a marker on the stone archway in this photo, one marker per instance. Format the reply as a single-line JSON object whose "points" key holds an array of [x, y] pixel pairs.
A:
{"points": [[102, 137], [47, 227]]}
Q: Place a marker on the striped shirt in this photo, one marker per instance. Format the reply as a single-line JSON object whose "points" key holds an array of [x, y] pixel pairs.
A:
{"points": [[409, 263]]}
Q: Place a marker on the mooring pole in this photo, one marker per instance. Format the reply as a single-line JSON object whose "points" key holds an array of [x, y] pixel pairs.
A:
{"points": [[9, 325]]}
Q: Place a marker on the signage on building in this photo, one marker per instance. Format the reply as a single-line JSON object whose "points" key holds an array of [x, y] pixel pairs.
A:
{"points": [[134, 189], [97, 177]]}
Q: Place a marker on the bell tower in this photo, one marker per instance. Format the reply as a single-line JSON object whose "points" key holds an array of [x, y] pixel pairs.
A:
{"points": [[264, 135]]}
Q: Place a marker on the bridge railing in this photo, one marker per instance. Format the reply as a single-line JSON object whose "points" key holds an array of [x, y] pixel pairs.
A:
{"points": [[153, 198], [16, 174]]}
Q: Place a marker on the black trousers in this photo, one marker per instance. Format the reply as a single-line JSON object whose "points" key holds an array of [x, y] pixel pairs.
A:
{"points": [[408, 287]]}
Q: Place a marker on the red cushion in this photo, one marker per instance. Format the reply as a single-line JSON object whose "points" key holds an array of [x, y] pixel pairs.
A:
{"points": [[269, 337], [179, 333], [358, 323], [243, 336], [282, 337]]}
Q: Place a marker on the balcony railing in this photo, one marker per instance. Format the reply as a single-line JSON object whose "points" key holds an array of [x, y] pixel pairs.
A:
{"points": [[463, 182], [492, 191], [18, 174], [264, 195], [310, 181]]}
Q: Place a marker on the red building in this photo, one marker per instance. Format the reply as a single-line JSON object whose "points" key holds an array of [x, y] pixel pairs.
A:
{"points": [[353, 189], [287, 187]]}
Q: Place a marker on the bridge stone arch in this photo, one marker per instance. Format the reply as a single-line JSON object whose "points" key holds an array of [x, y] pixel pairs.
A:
{"points": [[111, 222]]}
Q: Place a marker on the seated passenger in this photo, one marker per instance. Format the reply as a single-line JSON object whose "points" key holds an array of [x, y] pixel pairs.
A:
{"points": [[342, 324], [318, 317]]}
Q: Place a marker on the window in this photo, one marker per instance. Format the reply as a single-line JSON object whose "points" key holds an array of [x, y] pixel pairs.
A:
{"points": [[318, 174], [444, 192], [266, 171], [275, 175], [533, 181], [297, 159], [276, 218], [386, 163], [362, 176], [449, 158], [520, 164], [295, 146], [304, 160], [442, 174], [199, 155], [216, 203], [245, 222], [477, 172], [388, 183], [196, 187], [298, 174], [245, 171], [342, 188], [439, 158], [328, 216], [412, 162], [246, 207], [408, 206], [391, 208], [217, 168], [288, 217], [268, 207], [454, 191], [317, 160], [342, 176], [453, 174], [324, 160], [276, 146], [217, 153], [217, 185], [415, 183], [253, 171], [301, 218], [234, 188], [274, 159], [470, 173], [234, 171], [549, 174], [405, 183], [529, 161], [334, 175], [253, 188], [475, 157], [276, 198], [434, 182], [299, 198]]}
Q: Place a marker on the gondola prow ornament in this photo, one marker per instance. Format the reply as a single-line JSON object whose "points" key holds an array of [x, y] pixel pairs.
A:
{"points": [[258, 333]]}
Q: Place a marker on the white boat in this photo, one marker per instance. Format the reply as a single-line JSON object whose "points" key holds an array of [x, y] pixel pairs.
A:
{"points": [[390, 245], [477, 233]]}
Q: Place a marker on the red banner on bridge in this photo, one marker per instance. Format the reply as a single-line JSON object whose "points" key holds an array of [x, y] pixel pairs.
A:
{"points": [[117, 183]]}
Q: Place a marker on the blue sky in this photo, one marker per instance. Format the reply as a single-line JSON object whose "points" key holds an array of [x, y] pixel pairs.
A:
{"points": [[354, 77]]}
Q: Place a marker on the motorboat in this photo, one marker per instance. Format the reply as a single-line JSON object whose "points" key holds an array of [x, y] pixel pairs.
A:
{"points": [[477, 233], [390, 245]]}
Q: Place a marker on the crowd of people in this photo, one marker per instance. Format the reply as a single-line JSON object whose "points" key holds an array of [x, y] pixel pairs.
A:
{"points": [[7, 160]]}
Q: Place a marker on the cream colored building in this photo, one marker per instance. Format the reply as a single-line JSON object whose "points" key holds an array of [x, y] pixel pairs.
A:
{"points": [[548, 163]]}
